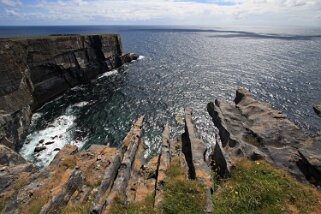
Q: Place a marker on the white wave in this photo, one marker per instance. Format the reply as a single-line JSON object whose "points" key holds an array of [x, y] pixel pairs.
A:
{"points": [[108, 73], [141, 57], [80, 104], [53, 138]]}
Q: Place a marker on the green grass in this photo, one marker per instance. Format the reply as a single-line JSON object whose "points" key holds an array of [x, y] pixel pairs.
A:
{"points": [[257, 187], [118, 206], [83, 209], [2, 205], [182, 195]]}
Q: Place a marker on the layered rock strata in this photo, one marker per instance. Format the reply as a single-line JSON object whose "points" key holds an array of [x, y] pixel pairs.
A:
{"points": [[97, 178], [36, 70], [255, 130]]}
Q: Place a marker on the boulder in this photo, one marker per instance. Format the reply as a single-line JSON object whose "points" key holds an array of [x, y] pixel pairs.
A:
{"points": [[39, 149], [127, 58]]}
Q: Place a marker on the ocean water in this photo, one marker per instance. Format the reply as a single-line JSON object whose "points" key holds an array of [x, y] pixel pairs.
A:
{"points": [[180, 67]]}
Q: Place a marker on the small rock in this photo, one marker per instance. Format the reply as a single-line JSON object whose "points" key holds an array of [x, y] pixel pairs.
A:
{"points": [[56, 149], [39, 148], [50, 142], [317, 109], [54, 137], [41, 141]]}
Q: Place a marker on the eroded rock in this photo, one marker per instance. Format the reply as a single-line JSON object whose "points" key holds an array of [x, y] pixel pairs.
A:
{"points": [[195, 150], [254, 130]]}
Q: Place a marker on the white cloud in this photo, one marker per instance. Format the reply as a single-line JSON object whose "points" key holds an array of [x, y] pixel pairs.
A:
{"points": [[170, 11], [10, 3]]}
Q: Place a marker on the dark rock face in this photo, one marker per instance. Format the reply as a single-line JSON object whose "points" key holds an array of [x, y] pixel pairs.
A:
{"points": [[254, 130], [127, 58], [34, 71], [317, 109], [8, 157]]}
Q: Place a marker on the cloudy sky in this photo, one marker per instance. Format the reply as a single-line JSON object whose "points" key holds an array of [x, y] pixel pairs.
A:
{"points": [[161, 12]]}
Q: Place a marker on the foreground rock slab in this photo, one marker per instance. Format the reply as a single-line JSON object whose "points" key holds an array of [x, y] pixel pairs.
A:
{"points": [[257, 131]]}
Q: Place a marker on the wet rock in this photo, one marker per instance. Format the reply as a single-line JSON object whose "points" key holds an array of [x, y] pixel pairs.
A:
{"points": [[39, 149], [317, 109], [127, 58]]}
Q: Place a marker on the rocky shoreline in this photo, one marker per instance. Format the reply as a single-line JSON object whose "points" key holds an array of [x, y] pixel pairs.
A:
{"points": [[100, 175], [38, 69], [94, 179]]}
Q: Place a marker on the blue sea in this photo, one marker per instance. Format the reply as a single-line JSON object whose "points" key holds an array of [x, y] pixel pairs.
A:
{"points": [[179, 67]]}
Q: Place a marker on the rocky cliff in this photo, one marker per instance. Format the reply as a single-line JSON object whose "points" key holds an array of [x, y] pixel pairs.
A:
{"points": [[256, 131], [110, 180], [36, 70], [95, 179]]}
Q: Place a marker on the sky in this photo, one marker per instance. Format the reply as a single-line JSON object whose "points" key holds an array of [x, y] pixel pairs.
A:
{"points": [[162, 12]]}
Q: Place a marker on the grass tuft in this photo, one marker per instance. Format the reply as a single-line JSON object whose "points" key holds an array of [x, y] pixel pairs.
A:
{"points": [[257, 187]]}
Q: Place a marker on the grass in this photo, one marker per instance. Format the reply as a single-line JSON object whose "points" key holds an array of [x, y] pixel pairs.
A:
{"points": [[81, 209], [118, 206], [2, 205], [182, 195], [257, 187]]}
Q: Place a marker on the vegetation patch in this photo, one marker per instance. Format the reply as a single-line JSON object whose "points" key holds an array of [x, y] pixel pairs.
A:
{"points": [[118, 206], [182, 195], [80, 209], [257, 187]]}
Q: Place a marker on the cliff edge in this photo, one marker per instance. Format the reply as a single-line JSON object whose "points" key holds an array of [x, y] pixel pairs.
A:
{"points": [[36, 70]]}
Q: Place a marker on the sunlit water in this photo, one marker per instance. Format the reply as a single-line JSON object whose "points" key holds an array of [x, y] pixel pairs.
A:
{"points": [[182, 67]]}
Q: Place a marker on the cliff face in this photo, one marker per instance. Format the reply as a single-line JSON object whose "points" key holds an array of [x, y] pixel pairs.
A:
{"points": [[36, 70]]}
